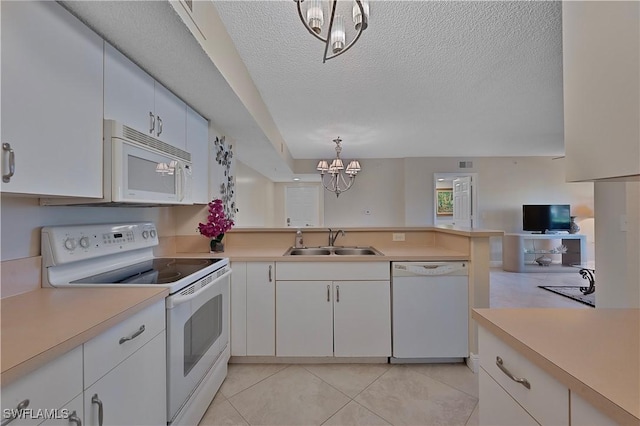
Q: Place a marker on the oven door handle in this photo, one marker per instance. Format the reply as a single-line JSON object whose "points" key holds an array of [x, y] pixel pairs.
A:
{"points": [[178, 299]]}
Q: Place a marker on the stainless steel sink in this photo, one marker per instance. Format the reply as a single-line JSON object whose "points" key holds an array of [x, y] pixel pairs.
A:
{"points": [[308, 251], [329, 251], [356, 251]]}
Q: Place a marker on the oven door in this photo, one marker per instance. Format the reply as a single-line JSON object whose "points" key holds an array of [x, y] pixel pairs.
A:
{"points": [[142, 175], [197, 333]]}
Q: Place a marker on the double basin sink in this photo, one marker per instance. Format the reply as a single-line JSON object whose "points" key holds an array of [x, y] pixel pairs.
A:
{"points": [[328, 251]]}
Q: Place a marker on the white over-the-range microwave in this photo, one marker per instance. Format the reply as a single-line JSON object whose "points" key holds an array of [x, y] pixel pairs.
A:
{"points": [[138, 170]]}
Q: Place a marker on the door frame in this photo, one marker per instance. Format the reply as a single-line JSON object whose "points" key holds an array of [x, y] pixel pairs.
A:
{"points": [[474, 197]]}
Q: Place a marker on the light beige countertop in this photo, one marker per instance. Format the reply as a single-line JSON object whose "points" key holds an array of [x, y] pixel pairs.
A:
{"points": [[594, 352], [263, 254], [41, 325]]}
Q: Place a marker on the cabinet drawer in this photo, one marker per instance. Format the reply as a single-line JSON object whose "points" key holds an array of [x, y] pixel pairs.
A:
{"points": [[332, 271], [547, 400], [49, 387], [497, 407], [74, 409], [105, 351]]}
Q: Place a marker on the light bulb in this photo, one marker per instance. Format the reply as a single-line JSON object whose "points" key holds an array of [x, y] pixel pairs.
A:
{"points": [[337, 34], [315, 16]]}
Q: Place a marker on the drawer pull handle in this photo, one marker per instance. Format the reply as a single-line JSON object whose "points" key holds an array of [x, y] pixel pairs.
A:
{"points": [[134, 335], [73, 418], [524, 382], [270, 276], [96, 400], [12, 163], [16, 413]]}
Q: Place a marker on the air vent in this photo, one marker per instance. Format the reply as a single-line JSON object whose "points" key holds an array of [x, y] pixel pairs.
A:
{"points": [[206, 281], [154, 143], [465, 164], [187, 291]]}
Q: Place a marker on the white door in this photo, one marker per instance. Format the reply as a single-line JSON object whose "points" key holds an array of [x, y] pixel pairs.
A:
{"points": [[302, 204], [462, 197], [304, 318], [198, 146], [362, 318], [171, 117]]}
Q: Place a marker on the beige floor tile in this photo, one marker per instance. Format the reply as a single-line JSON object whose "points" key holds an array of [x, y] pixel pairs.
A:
{"points": [[350, 379], [292, 396], [243, 376], [458, 376], [474, 420], [354, 414], [404, 397], [221, 412]]}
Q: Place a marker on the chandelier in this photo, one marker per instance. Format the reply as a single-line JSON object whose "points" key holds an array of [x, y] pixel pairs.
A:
{"points": [[338, 180], [335, 36]]}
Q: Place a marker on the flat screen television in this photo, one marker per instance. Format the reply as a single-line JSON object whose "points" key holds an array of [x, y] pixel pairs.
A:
{"points": [[543, 218]]}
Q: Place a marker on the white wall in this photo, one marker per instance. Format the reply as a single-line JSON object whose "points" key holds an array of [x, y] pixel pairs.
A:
{"points": [[617, 225], [254, 198], [21, 219]]}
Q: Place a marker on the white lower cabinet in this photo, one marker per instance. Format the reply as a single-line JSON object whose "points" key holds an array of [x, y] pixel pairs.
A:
{"points": [[134, 392], [253, 309], [585, 414], [72, 414], [545, 399], [50, 387], [333, 318], [344, 312]]}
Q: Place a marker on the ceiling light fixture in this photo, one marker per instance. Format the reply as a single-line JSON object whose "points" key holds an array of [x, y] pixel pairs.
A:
{"points": [[338, 181], [335, 36]]}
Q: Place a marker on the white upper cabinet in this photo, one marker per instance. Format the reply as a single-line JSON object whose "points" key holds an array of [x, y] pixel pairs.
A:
{"points": [[198, 146], [601, 63], [52, 72], [133, 97]]}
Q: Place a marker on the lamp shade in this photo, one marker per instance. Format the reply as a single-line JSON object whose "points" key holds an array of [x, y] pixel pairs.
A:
{"points": [[323, 166]]}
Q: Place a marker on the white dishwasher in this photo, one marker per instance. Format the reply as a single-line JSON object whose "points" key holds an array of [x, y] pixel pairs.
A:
{"points": [[430, 311]]}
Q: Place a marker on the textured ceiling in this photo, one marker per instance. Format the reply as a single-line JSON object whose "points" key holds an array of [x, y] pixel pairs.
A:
{"points": [[427, 78]]}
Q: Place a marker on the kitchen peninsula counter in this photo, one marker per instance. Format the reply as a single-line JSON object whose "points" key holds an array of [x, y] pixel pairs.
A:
{"points": [[43, 324], [593, 352]]}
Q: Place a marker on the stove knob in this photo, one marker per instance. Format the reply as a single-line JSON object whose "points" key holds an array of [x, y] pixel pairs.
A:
{"points": [[84, 242], [70, 243], [145, 234], [153, 233]]}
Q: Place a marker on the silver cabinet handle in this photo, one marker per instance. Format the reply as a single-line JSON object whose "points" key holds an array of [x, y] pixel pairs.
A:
{"points": [[14, 415], [96, 400], [328, 293], [524, 382], [159, 126], [134, 335], [73, 418], [337, 294], [152, 122], [12, 163], [270, 277]]}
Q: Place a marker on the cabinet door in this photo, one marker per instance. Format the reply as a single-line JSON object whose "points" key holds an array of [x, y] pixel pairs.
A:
{"points": [[134, 392], [128, 92], [171, 117], [198, 146], [261, 308], [362, 318], [585, 414], [239, 309], [601, 63], [304, 318], [51, 101], [497, 408]]}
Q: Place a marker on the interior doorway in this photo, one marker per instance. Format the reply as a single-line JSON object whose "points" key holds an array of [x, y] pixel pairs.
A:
{"points": [[455, 200]]}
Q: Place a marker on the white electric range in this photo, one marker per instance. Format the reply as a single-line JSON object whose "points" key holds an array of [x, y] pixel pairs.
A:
{"points": [[197, 309]]}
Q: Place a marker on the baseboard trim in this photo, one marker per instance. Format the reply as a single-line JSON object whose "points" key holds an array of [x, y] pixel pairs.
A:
{"points": [[473, 362], [495, 264], [305, 360]]}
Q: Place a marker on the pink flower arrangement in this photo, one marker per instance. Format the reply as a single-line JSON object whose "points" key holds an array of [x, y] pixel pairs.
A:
{"points": [[217, 222]]}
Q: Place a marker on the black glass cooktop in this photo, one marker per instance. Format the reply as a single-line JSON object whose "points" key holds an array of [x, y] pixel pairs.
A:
{"points": [[155, 271]]}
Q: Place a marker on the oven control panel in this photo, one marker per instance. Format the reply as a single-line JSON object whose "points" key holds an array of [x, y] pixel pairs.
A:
{"points": [[64, 244]]}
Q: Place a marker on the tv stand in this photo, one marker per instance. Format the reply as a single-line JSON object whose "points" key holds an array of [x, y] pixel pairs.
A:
{"points": [[520, 251]]}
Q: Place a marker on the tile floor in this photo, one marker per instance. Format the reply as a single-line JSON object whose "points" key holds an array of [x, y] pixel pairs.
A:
{"points": [[373, 394]]}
